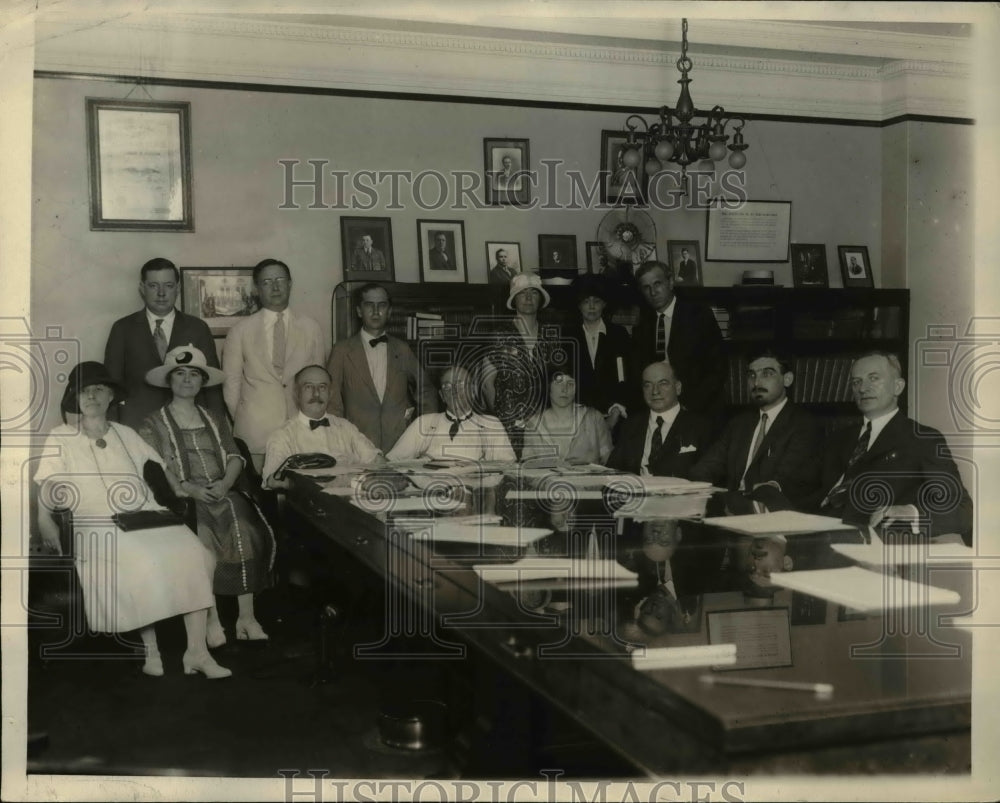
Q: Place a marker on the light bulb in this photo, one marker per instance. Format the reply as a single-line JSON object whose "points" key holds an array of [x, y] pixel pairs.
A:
{"points": [[664, 150], [737, 159], [631, 158], [717, 150], [653, 166]]}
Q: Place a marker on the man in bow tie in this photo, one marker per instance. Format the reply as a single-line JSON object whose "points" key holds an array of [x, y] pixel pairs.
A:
{"points": [[376, 382], [314, 431], [666, 441], [766, 457], [888, 468], [459, 432]]}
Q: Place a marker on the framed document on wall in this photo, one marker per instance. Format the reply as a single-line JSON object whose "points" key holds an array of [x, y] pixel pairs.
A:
{"points": [[753, 231], [140, 165]]}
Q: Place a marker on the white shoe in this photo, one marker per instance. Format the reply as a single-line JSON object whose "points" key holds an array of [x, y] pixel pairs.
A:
{"points": [[205, 664], [153, 666]]}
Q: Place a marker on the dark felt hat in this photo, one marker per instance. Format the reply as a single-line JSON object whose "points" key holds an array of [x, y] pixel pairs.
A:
{"points": [[83, 376], [588, 284]]}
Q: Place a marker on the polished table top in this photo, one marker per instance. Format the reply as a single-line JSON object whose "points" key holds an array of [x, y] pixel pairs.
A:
{"points": [[902, 673]]}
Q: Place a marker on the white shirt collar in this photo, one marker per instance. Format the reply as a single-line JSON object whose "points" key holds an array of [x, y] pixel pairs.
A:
{"points": [[270, 316], [773, 412], [304, 419], [667, 415], [599, 328], [669, 309], [167, 319], [878, 424]]}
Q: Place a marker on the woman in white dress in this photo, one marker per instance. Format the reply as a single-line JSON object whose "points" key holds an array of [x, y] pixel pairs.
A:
{"points": [[130, 579]]}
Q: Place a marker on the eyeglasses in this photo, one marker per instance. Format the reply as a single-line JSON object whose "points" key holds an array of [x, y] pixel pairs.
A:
{"points": [[277, 282], [446, 386], [374, 306], [663, 384]]}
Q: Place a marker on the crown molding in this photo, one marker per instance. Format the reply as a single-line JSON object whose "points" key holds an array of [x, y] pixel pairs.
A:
{"points": [[239, 50]]}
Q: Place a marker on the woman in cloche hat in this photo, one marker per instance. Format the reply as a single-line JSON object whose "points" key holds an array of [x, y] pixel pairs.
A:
{"points": [[203, 462], [130, 579]]}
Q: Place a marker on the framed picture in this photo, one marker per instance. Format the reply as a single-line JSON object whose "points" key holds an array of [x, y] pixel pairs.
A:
{"points": [[366, 248], [442, 250], [557, 263], [755, 231], [503, 262], [684, 257], [140, 165], [597, 257], [219, 296], [809, 265], [855, 267], [506, 168], [619, 183]]}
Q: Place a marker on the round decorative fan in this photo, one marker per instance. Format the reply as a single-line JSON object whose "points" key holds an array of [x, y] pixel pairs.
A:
{"points": [[628, 235]]}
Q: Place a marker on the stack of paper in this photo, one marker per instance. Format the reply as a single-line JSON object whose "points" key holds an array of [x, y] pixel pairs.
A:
{"points": [[682, 657], [878, 554], [445, 530], [864, 590], [559, 570], [673, 506], [781, 522]]}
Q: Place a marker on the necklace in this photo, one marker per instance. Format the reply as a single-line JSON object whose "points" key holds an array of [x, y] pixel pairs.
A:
{"points": [[99, 440]]}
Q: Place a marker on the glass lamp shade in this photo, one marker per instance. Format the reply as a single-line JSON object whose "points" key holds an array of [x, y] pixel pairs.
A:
{"points": [[653, 166], [737, 159], [632, 157], [717, 150], [664, 150]]}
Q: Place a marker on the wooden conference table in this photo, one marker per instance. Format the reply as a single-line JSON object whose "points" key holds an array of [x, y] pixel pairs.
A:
{"points": [[901, 699]]}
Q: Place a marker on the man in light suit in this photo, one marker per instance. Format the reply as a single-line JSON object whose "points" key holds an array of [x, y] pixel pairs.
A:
{"points": [[666, 441], [139, 342], [375, 380], [262, 355], [888, 468], [765, 457]]}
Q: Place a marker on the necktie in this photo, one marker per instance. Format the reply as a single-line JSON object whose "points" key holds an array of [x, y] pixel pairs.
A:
{"points": [[662, 321], [316, 423], [656, 442], [278, 345], [835, 498], [160, 339], [455, 424], [757, 441], [376, 340]]}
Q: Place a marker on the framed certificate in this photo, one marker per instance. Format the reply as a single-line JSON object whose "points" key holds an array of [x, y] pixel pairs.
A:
{"points": [[753, 231]]}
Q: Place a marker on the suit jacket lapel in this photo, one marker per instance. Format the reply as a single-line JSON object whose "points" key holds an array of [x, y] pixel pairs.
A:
{"points": [[774, 431], [358, 359]]}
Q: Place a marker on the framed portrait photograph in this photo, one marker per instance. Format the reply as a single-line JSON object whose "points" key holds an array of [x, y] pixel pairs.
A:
{"points": [[855, 267], [139, 155], [619, 183], [809, 265], [366, 248], [442, 250], [503, 262], [557, 262], [506, 169], [684, 257], [219, 296], [597, 257]]}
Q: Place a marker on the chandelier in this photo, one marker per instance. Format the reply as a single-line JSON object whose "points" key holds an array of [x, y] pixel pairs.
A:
{"points": [[680, 139]]}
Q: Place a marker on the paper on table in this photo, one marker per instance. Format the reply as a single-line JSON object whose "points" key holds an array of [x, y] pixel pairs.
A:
{"points": [[672, 485], [680, 657], [407, 504], [668, 506], [338, 470], [444, 530], [538, 568], [864, 590], [903, 554], [785, 522]]}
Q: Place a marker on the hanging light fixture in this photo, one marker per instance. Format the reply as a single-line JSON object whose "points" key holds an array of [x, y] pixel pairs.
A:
{"points": [[680, 139]]}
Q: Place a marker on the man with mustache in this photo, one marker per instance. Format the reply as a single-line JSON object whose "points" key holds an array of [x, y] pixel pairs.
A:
{"points": [[766, 458]]}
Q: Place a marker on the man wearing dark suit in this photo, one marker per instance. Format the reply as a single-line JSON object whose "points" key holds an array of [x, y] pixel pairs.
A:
{"points": [[889, 468], [686, 335], [366, 256], [765, 457], [376, 382], [440, 260], [503, 271], [605, 365], [138, 343], [667, 441], [687, 269]]}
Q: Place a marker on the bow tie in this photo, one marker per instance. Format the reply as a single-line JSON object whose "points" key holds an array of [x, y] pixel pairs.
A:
{"points": [[376, 340], [316, 423], [455, 424]]}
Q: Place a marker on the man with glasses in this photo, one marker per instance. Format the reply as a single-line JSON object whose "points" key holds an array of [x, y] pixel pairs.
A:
{"points": [[767, 457], [139, 342], [261, 356], [667, 441], [459, 432], [376, 382]]}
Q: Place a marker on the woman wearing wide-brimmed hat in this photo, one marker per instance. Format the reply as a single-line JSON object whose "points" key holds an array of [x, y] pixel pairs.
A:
{"points": [[203, 462], [130, 578], [519, 359]]}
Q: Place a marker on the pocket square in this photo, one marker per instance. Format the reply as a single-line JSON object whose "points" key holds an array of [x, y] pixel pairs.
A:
{"points": [[691, 448]]}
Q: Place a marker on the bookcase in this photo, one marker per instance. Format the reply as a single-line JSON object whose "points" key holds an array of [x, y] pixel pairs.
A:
{"points": [[821, 329]]}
